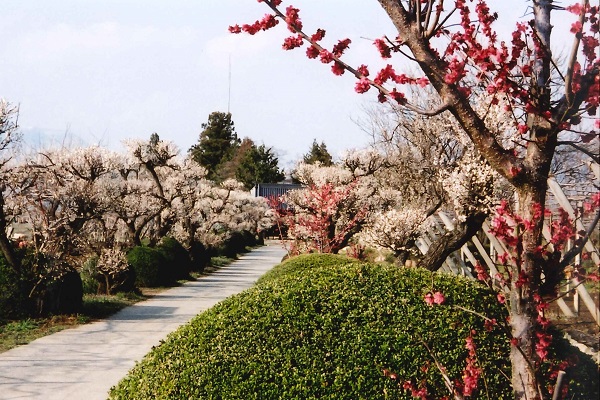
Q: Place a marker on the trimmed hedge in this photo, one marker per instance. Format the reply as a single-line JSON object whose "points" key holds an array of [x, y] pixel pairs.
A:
{"points": [[323, 326], [179, 264], [14, 291], [150, 267]]}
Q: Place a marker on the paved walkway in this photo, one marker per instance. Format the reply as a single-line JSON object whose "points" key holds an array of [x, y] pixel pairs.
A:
{"points": [[85, 362]]}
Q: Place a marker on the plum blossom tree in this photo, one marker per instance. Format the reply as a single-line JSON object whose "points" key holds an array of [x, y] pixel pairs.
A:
{"points": [[458, 50], [335, 205], [9, 138], [64, 192], [433, 166]]}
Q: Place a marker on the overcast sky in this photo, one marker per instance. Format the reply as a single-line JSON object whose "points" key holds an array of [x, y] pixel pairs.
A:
{"points": [[106, 70]]}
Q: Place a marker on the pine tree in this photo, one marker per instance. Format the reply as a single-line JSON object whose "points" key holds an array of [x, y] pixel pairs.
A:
{"points": [[217, 144], [318, 153], [259, 165]]}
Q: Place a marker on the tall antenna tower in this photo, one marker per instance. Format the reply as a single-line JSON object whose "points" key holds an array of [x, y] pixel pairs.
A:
{"points": [[229, 86]]}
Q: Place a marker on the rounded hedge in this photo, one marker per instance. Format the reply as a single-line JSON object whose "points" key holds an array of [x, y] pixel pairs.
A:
{"points": [[14, 291], [179, 264], [326, 327], [150, 267]]}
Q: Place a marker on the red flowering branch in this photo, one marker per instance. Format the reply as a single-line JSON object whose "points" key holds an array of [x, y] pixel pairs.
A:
{"points": [[316, 50]]}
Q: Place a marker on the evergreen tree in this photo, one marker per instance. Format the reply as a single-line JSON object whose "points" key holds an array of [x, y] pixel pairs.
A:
{"points": [[318, 153], [229, 168], [217, 144], [258, 165]]}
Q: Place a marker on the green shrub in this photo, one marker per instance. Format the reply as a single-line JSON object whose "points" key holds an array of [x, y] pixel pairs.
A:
{"points": [[200, 256], [88, 273], [150, 267], [326, 327], [14, 292], [179, 264], [61, 294], [236, 243]]}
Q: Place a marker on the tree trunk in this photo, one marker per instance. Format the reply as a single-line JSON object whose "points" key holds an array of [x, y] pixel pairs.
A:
{"points": [[5, 245], [451, 242], [523, 314]]}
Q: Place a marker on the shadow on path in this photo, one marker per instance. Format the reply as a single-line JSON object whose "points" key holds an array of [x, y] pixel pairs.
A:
{"points": [[85, 362]]}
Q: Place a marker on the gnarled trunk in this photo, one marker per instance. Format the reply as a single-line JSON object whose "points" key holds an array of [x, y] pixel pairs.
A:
{"points": [[5, 245], [525, 282], [452, 241]]}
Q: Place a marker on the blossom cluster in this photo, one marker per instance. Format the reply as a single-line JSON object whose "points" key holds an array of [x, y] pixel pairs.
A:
{"points": [[470, 186]]}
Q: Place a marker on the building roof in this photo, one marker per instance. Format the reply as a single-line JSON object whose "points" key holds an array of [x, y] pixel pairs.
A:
{"points": [[273, 189]]}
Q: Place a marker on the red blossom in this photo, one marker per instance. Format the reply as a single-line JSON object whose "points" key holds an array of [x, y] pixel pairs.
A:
{"points": [[542, 344], [338, 69], [471, 373], [325, 56], [385, 74], [398, 96], [482, 274], [363, 70], [318, 35], [522, 280], [594, 277], [340, 47], [383, 48], [574, 8], [543, 322], [490, 324], [362, 85], [312, 52], [292, 18], [235, 29], [292, 42]]}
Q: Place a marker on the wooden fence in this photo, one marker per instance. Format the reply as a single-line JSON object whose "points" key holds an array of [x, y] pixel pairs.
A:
{"points": [[488, 247]]}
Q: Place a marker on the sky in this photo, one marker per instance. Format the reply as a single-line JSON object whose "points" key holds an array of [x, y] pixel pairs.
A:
{"points": [[101, 71]]}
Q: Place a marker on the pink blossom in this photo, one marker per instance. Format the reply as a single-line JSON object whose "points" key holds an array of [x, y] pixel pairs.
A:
{"points": [[429, 299], [501, 298], [439, 298], [325, 56], [363, 85], [363, 70], [422, 81], [574, 8]]}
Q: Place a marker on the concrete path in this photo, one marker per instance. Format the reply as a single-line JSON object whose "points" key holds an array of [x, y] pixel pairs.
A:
{"points": [[85, 362]]}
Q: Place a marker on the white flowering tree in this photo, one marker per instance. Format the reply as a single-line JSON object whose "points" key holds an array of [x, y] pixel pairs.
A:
{"points": [[432, 165], [9, 138], [63, 193]]}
